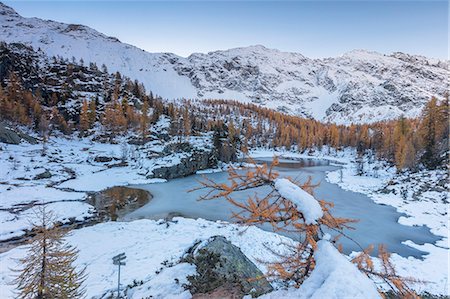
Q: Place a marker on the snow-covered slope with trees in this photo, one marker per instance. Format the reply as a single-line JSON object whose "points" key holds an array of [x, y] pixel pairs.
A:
{"points": [[82, 42], [359, 86]]}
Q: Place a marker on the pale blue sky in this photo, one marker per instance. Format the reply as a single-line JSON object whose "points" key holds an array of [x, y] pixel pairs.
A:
{"points": [[313, 28]]}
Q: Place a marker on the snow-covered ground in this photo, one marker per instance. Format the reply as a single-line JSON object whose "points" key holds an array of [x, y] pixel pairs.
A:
{"points": [[74, 172], [154, 248], [418, 195], [429, 208], [333, 278]]}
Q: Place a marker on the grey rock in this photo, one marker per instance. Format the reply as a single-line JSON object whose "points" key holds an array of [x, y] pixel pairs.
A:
{"points": [[182, 147], [14, 137], [44, 175], [234, 266], [139, 141], [197, 161], [103, 159], [8, 136]]}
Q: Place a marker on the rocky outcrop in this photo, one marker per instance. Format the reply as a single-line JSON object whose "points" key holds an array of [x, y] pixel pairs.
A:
{"points": [[14, 137], [103, 159], [182, 147], [221, 265], [44, 175], [197, 160]]}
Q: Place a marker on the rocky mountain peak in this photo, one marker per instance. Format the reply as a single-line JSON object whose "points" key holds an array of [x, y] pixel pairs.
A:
{"points": [[6, 10], [359, 86]]}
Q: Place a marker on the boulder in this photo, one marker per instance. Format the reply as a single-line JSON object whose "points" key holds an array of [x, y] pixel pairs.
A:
{"points": [[14, 137], [222, 292], [44, 175], [103, 159], [221, 265], [189, 165]]}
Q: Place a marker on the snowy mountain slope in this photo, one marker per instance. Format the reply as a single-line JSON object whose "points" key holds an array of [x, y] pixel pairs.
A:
{"points": [[359, 86], [70, 40]]}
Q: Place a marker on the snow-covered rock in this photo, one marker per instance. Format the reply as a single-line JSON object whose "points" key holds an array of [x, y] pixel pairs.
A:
{"points": [[359, 86]]}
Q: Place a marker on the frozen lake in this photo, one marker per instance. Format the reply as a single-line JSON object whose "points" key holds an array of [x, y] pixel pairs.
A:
{"points": [[377, 223]]}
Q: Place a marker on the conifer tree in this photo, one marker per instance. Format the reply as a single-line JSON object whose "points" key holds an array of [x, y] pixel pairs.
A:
{"points": [[58, 121], [405, 155], [84, 118], [144, 119], [432, 130], [187, 125], [92, 115], [232, 134], [113, 118], [48, 270], [53, 100], [44, 128], [131, 117], [409, 155]]}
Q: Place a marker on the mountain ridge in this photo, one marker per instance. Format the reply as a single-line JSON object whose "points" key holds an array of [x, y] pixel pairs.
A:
{"points": [[358, 86]]}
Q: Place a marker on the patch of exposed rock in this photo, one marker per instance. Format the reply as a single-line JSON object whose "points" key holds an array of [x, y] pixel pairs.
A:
{"points": [[223, 271], [44, 175], [10, 136], [103, 159], [197, 160]]}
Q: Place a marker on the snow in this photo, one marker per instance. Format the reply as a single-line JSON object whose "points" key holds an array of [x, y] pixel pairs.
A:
{"points": [[428, 208], [105, 179], [143, 239], [359, 86], [59, 39], [373, 114], [305, 202], [14, 224], [163, 284], [154, 248], [163, 124], [15, 196], [433, 269], [147, 245], [267, 77], [322, 100], [334, 277], [74, 173]]}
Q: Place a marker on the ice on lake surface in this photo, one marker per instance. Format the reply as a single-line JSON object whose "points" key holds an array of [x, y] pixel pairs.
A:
{"points": [[377, 223]]}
